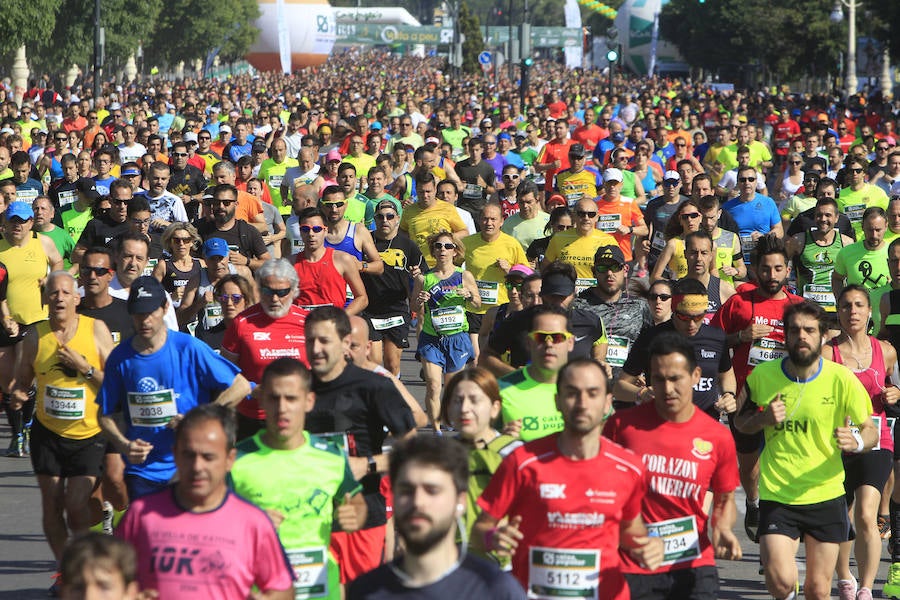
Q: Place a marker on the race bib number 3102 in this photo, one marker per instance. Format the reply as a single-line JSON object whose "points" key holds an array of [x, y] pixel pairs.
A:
{"points": [[563, 573]]}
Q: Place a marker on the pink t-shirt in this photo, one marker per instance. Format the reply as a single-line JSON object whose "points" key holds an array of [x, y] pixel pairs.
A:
{"points": [[219, 554]]}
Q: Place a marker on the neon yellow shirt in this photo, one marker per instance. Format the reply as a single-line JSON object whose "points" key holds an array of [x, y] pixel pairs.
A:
{"points": [[854, 204], [272, 174], [420, 223], [533, 402]]}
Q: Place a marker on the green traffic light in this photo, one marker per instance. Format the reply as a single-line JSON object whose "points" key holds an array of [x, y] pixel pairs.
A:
{"points": [[528, 62], [612, 56]]}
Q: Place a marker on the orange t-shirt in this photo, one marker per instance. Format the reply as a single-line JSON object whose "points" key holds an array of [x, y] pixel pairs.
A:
{"points": [[623, 211]]}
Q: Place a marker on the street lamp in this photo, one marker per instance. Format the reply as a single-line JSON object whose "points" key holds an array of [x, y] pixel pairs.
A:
{"points": [[836, 16]]}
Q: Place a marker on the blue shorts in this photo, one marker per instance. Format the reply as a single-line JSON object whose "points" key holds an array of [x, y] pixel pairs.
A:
{"points": [[451, 352], [138, 486]]}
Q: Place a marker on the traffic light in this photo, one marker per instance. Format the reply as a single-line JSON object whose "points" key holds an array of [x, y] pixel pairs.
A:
{"points": [[527, 62], [612, 55]]}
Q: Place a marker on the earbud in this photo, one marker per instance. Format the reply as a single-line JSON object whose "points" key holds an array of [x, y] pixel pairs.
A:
{"points": [[460, 508]]}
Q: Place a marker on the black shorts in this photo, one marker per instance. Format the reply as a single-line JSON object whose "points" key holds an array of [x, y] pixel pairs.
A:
{"points": [[826, 521], [746, 443], [868, 468], [57, 456], [701, 583], [7, 341], [398, 335], [474, 322]]}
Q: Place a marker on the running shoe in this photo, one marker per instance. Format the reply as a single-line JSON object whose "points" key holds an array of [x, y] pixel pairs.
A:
{"points": [[751, 522], [884, 526], [108, 514], [27, 439], [55, 589], [16, 447], [847, 588], [864, 594], [891, 587]]}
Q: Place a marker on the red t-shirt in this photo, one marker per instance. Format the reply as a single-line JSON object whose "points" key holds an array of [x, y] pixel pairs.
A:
{"points": [[574, 505], [320, 282], [258, 339], [589, 135], [553, 151], [783, 135], [683, 461], [739, 312]]}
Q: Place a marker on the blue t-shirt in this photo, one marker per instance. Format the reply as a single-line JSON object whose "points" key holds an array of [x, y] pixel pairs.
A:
{"points": [[28, 190], [103, 184], [185, 370], [759, 214]]}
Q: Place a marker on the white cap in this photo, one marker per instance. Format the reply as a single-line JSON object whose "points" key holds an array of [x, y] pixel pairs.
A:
{"points": [[115, 106], [672, 175], [612, 175], [190, 136]]}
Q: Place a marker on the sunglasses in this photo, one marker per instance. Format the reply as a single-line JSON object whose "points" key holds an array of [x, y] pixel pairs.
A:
{"points": [[510, 177], [386, 217], [182, 240], [98, 271], [686, 318], [746, 179], [338, 204], [510, 285], [796, 162], [590, 214], [563, 227], [857, 170], [204, 137], [313, 228], [235, 298], [689, 216], [663, 297], [444, 246], [549, 337], [609, 268], [218, 202], [180, 154], [118, 201], [281, 293]]}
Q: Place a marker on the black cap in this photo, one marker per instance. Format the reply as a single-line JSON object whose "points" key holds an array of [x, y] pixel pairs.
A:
{"points": [[577, 150], [613, 253], [86, 186]]}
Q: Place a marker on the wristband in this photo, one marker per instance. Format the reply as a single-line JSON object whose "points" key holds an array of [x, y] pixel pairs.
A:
{"points": [[859, 441]]}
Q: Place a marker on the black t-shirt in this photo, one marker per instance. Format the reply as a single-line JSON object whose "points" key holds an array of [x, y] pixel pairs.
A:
{"points": [[389, 293], [538, 248], [361, 404], [242, 237], [473, 196], [62, 194], [100, 231], [512, 335], [474, 578], [624, 321], [726, 221], [712, 355], [188, 181], [116, 317], [806, 221]]}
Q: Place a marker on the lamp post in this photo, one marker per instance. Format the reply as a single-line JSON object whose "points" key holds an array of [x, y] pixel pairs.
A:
{"points": [[837, 15]]}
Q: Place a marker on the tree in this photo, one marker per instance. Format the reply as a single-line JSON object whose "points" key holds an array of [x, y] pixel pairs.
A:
{"points": [[727, 36], [190, 29], [470, 27], [26, 23], [125, 23], [882, 15]]}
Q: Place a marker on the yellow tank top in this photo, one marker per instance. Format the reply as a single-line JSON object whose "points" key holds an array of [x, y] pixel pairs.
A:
{"points": [[678, 263], [65, 399], [26, 265]]}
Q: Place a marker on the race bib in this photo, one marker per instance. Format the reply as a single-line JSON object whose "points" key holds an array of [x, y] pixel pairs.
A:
{"points": [[310, 572], [64, 403], [388, 323], [297, 245], [680, 538], [855, 212], [66, 198], [448, 319], [213, 314], [489, 291], [563, 573], [26, 195], [151, 264], [748, 245], [609, 223], [658, 243], [338, 438], [573, 197], [473, 191], [820, 294], [583, 283], [765, 350], [275, 181], [151, 409], [617, 350]]}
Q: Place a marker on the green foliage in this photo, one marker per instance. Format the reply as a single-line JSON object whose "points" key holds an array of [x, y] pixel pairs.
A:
{"points": [[190, 29], [470, 27], [788, 40], [26, 23], [882, 14]]}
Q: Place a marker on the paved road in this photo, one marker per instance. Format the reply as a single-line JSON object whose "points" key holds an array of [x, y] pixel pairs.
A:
{"points": [[26, 563]]}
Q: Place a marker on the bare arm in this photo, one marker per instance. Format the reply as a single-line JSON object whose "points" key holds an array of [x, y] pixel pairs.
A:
{"points": [[724, 514], [470, 286], [373, 262], [628, 388], [778, 230], [663, 261], [53, 256], [236, 392], [346, 265], [645, 550]]}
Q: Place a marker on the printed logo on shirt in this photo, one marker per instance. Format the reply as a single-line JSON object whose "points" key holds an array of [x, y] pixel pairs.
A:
{"points": [[262, 336], [561, 520], [702, 448], [601, 496], [553, 491], [707, 354]]}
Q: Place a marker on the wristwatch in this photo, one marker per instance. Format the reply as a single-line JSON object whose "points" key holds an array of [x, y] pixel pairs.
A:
{"points": [[373, 466], [90, 373]]}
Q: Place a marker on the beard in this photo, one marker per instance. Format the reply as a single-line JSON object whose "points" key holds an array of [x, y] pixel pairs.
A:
{"points": [[417, 540], [802, 357], [773, 287]]}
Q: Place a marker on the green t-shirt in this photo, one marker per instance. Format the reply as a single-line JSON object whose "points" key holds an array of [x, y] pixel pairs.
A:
{"points": [[304, 485], [272, 174], [357, 209], [800, 462], [854, 204], [864, 267], [74, 222], [63, 242], [533, 402], [454, 137], [526, 231]]}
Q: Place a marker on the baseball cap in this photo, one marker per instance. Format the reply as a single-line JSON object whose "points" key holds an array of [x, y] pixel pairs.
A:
{"points": [[577, 150], [520, 271], [613, 253], [86, 186], [19, 209], [130, 171], [390, 203], [215, 247], [555, 200], [224, 129], [617, 137], [612, 175], [671, 176], [146, 295], [557, 284], [333, 155], [259, 146], [504, 136], [376, 126], [189, 138]]}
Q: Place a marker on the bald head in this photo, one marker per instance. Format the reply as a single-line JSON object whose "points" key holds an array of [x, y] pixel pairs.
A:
{"points": [[359, 340]]}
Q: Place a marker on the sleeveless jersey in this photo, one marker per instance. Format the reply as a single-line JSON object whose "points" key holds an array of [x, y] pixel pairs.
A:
{"points": [[814, 267], [177, 278], [65, 399], [445, 311], [873, 379], [726, 247], [320, 282], [348, 243], [26, 266]]}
